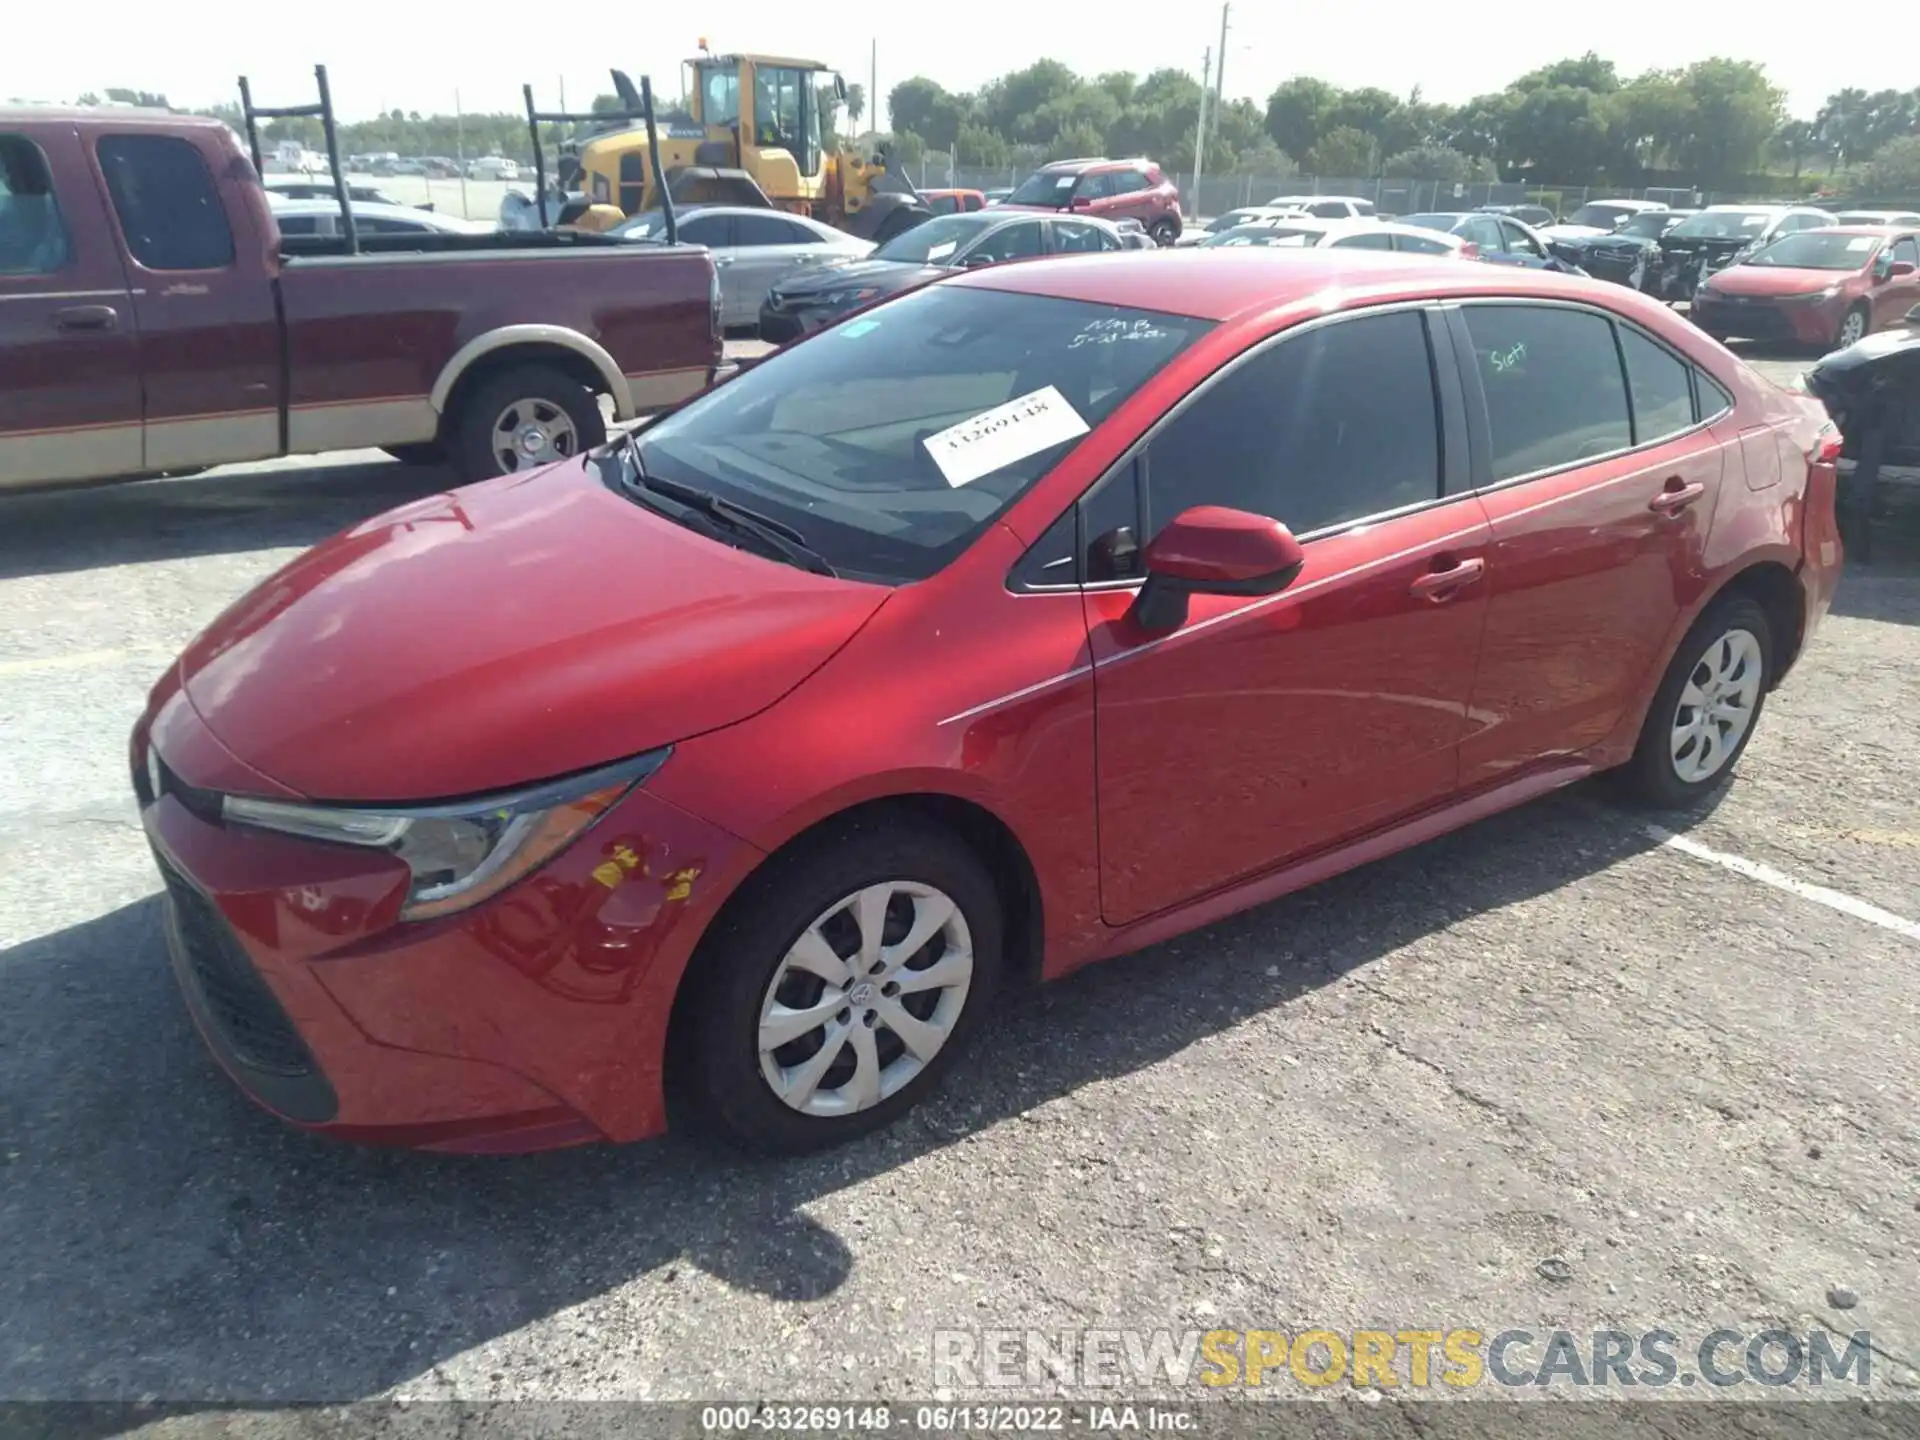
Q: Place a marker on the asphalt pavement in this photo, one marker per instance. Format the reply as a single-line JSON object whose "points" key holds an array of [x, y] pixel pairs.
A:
{"points": [[1557, 1071]]}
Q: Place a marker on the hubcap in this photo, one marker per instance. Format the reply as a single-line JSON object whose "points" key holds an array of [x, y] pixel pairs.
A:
{"points": [[1716, 707], [1852, 328], [533, 432], [865, 998]]}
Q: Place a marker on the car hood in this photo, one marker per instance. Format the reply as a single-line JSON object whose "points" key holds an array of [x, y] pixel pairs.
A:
{"points": [[1763, 280], [507, 632], [882, 274]]}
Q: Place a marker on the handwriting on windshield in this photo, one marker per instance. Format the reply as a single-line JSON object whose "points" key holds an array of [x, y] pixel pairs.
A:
{"points": [[1112, 332]]}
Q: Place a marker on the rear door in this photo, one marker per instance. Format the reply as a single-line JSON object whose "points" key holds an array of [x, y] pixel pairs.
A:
{"points": [[209, 334], [1133, 198], [69, 342], [1521, 247], [1600, 483], [1264, 729]]}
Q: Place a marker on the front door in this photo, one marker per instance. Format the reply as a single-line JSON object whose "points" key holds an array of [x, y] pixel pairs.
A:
{"points": [[1897, 294], [209, 335], [765, 247], [715, 231], [69, 347], [1262, 730], [1600, 492]]}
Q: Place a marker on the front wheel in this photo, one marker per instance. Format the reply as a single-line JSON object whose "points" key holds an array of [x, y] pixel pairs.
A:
{"points": [[1707, 706], [1853, 328], [1164, 231], [836, 993]]}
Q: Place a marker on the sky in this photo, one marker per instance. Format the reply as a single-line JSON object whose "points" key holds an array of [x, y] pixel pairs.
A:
{"points": [[408, 54]]}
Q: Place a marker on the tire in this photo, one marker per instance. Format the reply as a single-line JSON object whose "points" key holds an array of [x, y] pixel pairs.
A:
{"points": [[545, 397], [428, 452], [744, 969], [1663, 774], [1164, 231], [1853, 327]]}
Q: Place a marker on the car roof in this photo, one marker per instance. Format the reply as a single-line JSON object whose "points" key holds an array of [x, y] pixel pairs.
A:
{"points": [[1859, 229], [1231, 282], [109, 114]]}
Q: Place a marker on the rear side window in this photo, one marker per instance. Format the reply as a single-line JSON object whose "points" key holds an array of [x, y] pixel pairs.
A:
{"points": [[1660, 387], [1320, 429], [1365, 240], [764, 230], [1126, 182], [1552, 383], [33, 238], [165, 199], [1420, 245]]}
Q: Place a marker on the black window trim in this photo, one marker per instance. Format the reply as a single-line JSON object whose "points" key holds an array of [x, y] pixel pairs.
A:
{"points": [[1452, 415], [1479, 426], [67, 235]]}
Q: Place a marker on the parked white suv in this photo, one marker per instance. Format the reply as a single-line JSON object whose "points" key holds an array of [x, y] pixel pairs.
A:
{"points": [[1326, 207]]}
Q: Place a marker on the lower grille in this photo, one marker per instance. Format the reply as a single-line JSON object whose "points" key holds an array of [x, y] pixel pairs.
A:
{"points": [[233, 995], [1748, 322]]}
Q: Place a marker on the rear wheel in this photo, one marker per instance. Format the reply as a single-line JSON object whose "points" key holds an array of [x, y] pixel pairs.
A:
{"points": [[523, 418], [836, 994], [1165, 230], [1707, 706]]}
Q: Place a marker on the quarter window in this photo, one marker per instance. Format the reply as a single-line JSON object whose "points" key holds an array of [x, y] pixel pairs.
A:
{"points": [[1552, 383], [33, 238], [164, 197], [1321, 429], [1661, 389]]}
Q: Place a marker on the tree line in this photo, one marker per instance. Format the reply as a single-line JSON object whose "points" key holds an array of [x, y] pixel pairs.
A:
{"points": [[1576, 121], [1714, 124]]}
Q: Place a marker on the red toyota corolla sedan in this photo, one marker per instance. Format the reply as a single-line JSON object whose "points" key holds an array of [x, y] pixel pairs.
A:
{"points": [[1827, 287], [1032, 617]]}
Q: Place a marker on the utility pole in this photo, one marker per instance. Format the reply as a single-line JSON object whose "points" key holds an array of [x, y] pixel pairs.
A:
{"points": [[1220, 70], [1200, 130], [873, 89]]}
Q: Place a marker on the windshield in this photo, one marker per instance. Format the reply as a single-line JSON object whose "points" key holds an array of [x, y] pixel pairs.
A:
{"points": [[1264, 235], [1818, 250], [1650, 224], [1432, 222], [935, 241], [1722, 225], [865, 441], [1044, 187]]}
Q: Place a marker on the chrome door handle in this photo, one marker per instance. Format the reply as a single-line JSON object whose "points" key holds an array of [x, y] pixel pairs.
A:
{"points": [[1439, 585], [86, 317], [1676, 497]]}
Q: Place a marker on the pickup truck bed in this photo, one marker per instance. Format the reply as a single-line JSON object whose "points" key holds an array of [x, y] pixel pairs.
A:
{"points": [[153, 320]]}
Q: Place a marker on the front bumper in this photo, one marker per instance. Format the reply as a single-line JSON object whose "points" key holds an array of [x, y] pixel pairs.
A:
{"points": [[777, 327], [536, 1019], [1759, 317]]}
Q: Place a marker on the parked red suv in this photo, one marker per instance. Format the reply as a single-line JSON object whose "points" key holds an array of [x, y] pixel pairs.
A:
{"points": [[1034, 616], [1111, 189]]}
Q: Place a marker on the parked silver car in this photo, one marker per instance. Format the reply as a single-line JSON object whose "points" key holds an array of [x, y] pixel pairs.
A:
{"points": [[322, 217], [752, 248]]}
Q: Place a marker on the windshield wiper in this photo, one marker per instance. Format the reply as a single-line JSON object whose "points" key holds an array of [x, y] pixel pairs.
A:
{"points": [[781, 538]]}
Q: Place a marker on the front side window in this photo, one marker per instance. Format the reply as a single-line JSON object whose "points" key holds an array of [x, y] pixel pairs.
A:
{"points": [[1076, 237], [706, 230], [935, 242], [1096, 187], [1907, 249], [1519, 241], [1045, 187], [33, 238], [764, 230], [166, 203], [1318, 430], [1484, 232], [777, 119], [1552, 383], [866, 440], [1660, 386], [1127, 182]]}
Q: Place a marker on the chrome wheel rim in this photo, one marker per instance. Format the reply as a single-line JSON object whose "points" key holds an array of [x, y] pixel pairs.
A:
{"points": [[1852, 329], [865, 999], [533, 432], [1716, 707]]}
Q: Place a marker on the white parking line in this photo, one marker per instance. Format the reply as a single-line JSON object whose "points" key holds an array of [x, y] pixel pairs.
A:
{"points": [[1780, 880]]}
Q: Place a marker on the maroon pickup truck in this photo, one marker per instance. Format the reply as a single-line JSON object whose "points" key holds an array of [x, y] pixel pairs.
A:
{"points": [[153, 320]]}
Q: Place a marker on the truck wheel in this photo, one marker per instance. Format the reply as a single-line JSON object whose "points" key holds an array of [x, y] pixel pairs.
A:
{"points": [[428, 452], [1165, 231], [523, 418]]}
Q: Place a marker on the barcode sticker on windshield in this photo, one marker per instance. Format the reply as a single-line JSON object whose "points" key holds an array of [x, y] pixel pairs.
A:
{"points": [[998, 437]]}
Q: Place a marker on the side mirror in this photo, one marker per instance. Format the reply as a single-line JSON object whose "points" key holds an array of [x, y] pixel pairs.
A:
{"points": [[979, 257], [1212, 550], [1080, 202], [1900, 269]]}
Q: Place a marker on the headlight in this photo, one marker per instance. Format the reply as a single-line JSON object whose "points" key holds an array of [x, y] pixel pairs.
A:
{"points": [[465, 852], [849, 297]]}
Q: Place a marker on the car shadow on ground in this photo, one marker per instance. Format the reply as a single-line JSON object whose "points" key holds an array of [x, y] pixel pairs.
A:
{"points": [[59, 531], [159, 1236]]}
